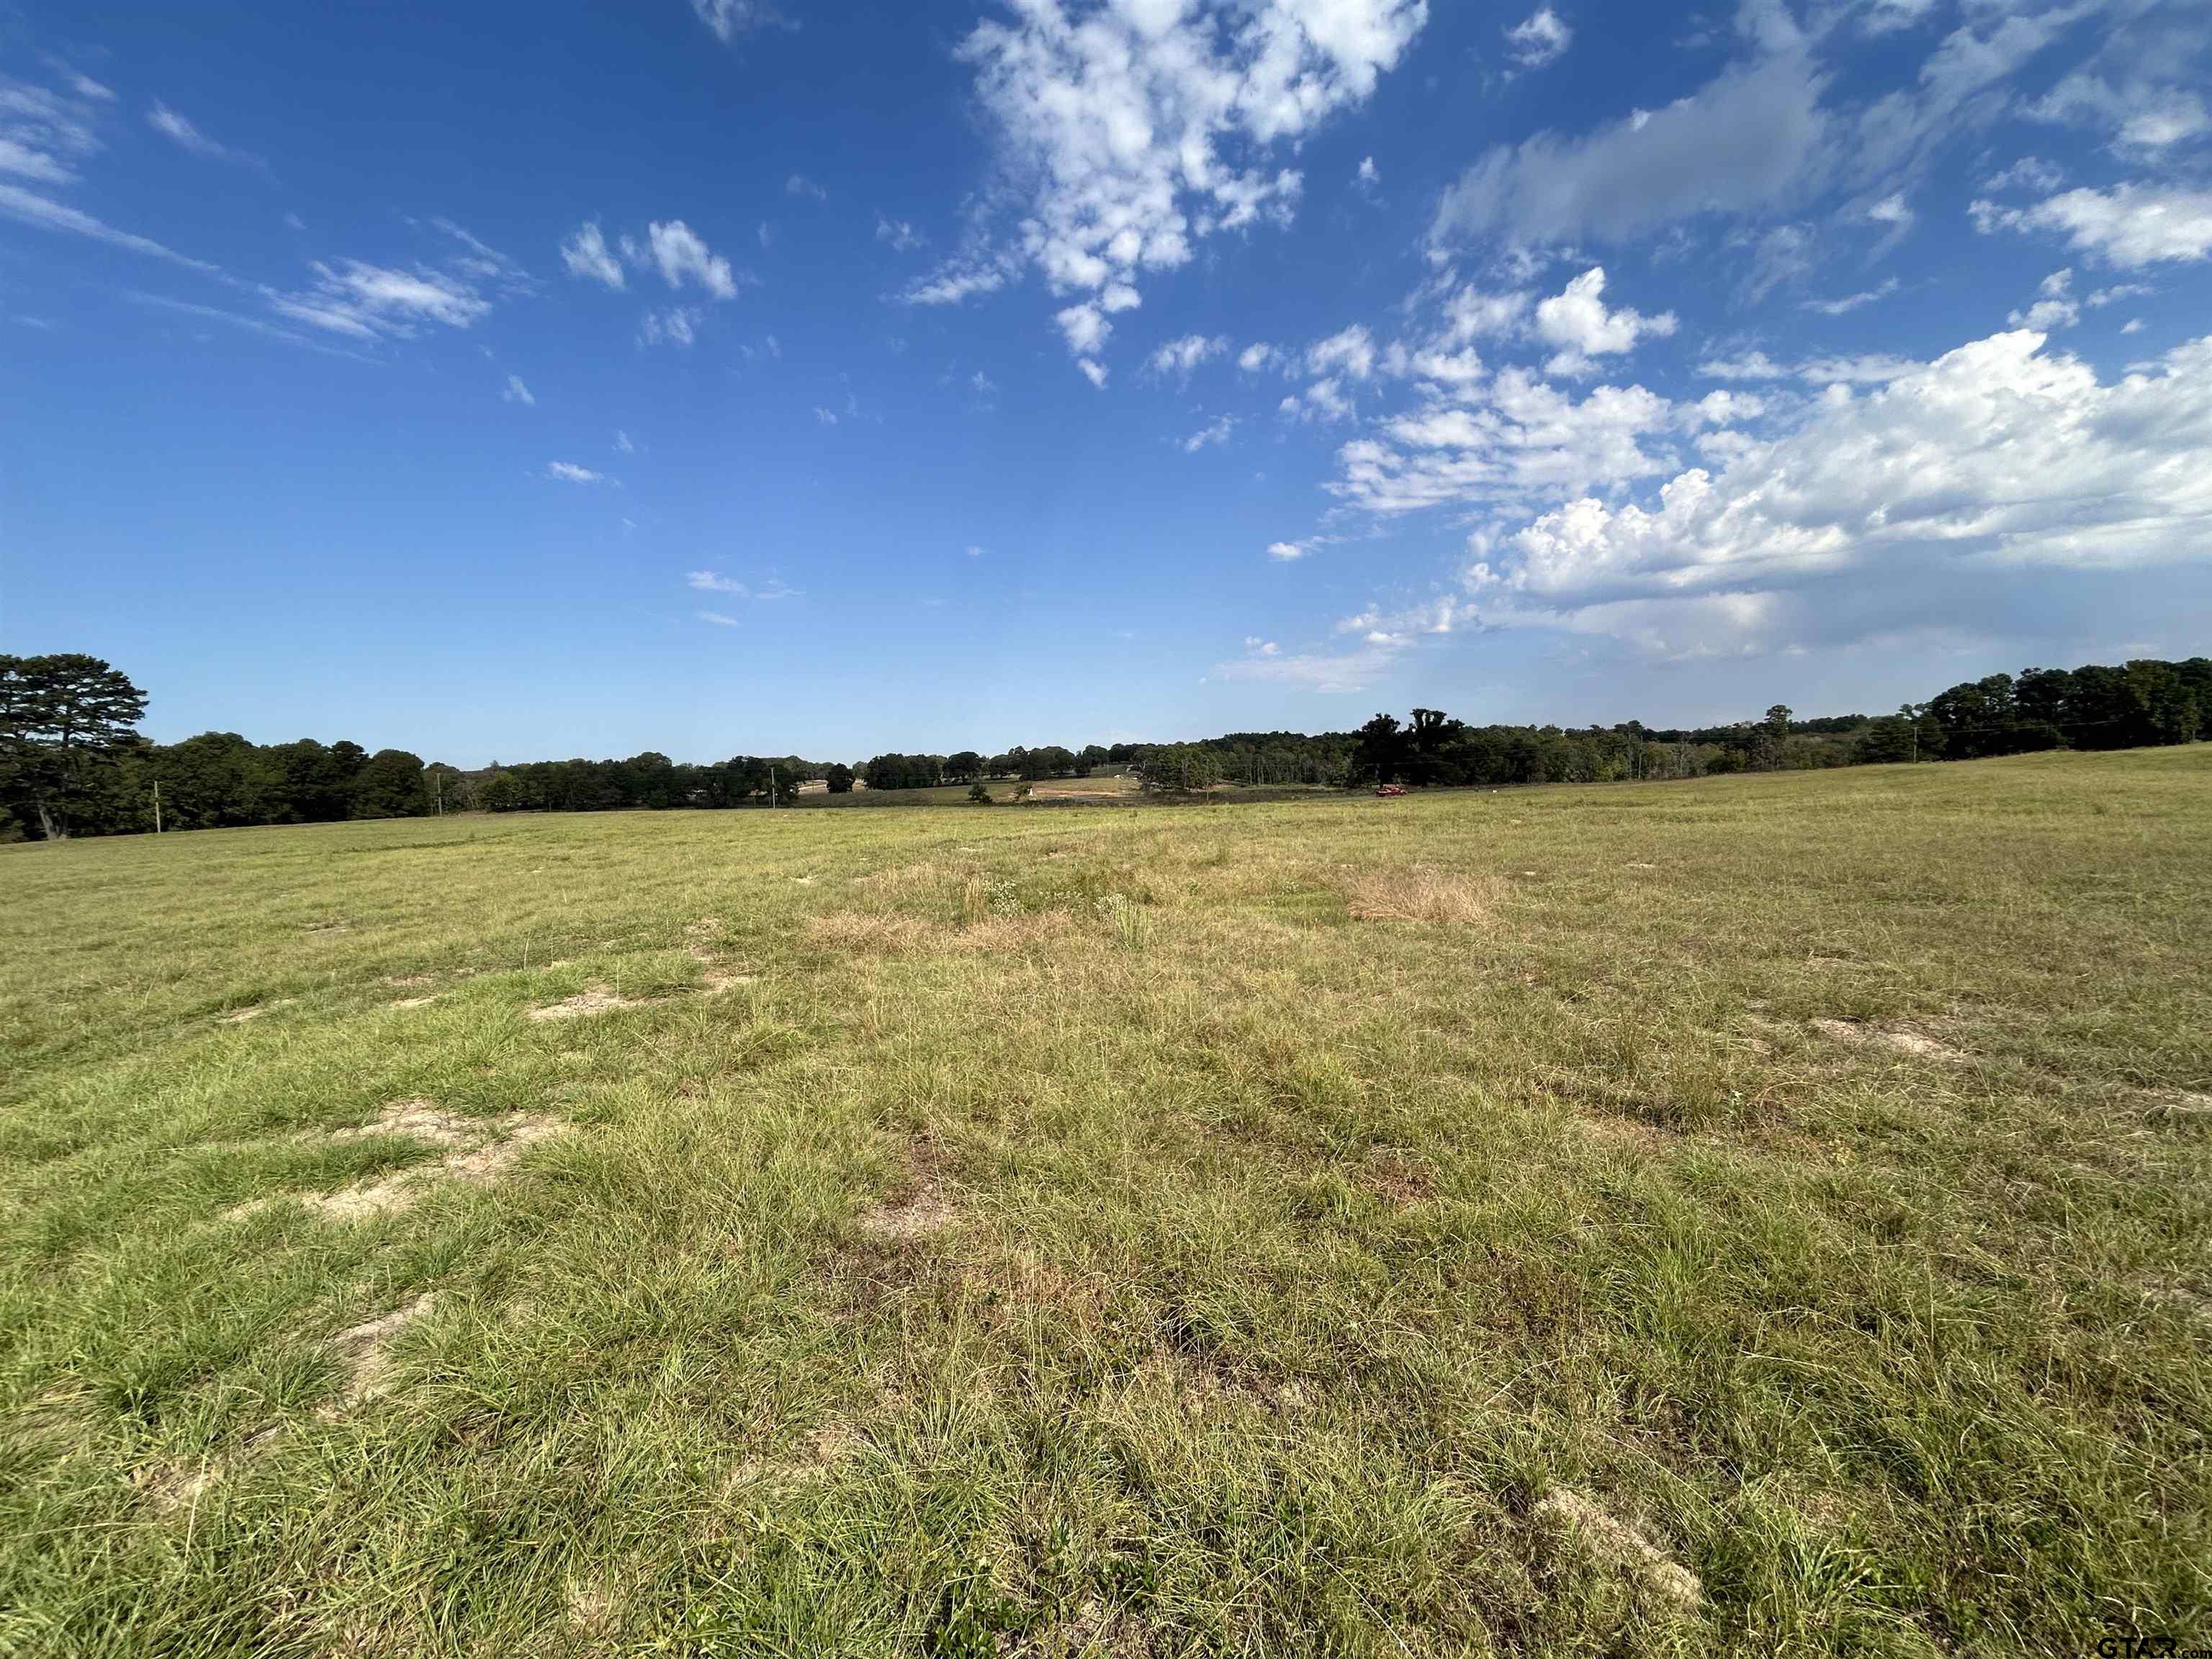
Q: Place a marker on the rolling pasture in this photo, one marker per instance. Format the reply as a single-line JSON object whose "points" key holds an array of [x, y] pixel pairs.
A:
{"points": [[1762, 1214]]}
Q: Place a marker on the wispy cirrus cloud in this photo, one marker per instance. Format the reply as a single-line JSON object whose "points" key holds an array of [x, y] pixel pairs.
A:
{"points": [[187, 136]]}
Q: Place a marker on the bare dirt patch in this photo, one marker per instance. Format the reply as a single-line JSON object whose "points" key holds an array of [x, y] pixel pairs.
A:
{"points": [[477, 1151], [1901, 1038], [363, 1351], [1585, 1528], [172, 1484], [591, 999], [1396, 1176], [1421, 892], [920, 1212], [421, 1118]]}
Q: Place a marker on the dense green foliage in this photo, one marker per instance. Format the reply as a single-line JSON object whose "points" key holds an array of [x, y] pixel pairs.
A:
{"points": [[70, 764]]}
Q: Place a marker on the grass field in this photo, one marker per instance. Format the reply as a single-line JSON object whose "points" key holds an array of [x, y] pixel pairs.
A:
{"points": [[1762, 1215]]}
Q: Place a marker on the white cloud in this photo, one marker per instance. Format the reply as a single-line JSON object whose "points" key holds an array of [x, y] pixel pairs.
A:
{"points": [[1524, 439], [1215, 431], [713, 581], [1744, 143], [44, 135], [1085, 328], [720, 619], [799, 185], [1997, 454], [1285, 551], [1539, 40], [1093, 371], [1180, 356], [680, 255], [31, 208], [569, 472], [731, 18], [1136, 129], [585, 253], [2028, 174], [368, 302], [1750, 366], [1850, 303], [2129, 225], [623, 444], [899, 233], [2140, 115], [1350, 352], [676, 325], [182, 133], [1472, 314], [516, 392], [1369, 176], [1257, 357], [1577, 322], [1260, 647], [1319, 671], [2056, 307], [824, 416]]}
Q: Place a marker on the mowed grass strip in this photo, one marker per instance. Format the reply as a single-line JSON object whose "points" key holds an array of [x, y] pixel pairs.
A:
{"points": [[1765, 1214]]}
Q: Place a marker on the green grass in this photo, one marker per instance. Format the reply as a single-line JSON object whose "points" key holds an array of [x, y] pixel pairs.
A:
{"points": [[1427, 1226]]}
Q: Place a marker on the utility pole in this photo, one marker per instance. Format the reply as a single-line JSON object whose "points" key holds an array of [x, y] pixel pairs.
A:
{"points": [[771, 785], [157, 806]]}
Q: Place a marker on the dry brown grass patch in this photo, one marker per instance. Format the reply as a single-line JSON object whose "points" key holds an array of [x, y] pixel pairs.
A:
{"points": [[867, 933], [1422, 893]]}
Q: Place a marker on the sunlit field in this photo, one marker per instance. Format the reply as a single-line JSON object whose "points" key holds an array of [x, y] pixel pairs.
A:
{"points": [[1765, 1214]]}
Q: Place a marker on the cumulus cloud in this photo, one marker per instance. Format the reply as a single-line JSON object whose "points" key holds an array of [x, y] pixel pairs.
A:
{"points": [[2055, 307], [1285, 551], [799, 185], [516, 392], [1180, 356], [1523, 439], [1998, 454], [1138, 129], [2129, 225], [569, 472], [1541, 39], [1576, 322]]}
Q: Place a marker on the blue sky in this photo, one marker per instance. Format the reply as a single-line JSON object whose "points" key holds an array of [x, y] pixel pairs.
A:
{"points": [[524, 381]]}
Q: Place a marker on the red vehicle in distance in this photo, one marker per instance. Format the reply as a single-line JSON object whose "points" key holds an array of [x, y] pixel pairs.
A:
{"points": [[1390, 788]]}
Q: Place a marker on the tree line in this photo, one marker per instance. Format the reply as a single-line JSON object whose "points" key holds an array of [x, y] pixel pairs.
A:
{"points": [[73, 763]]}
